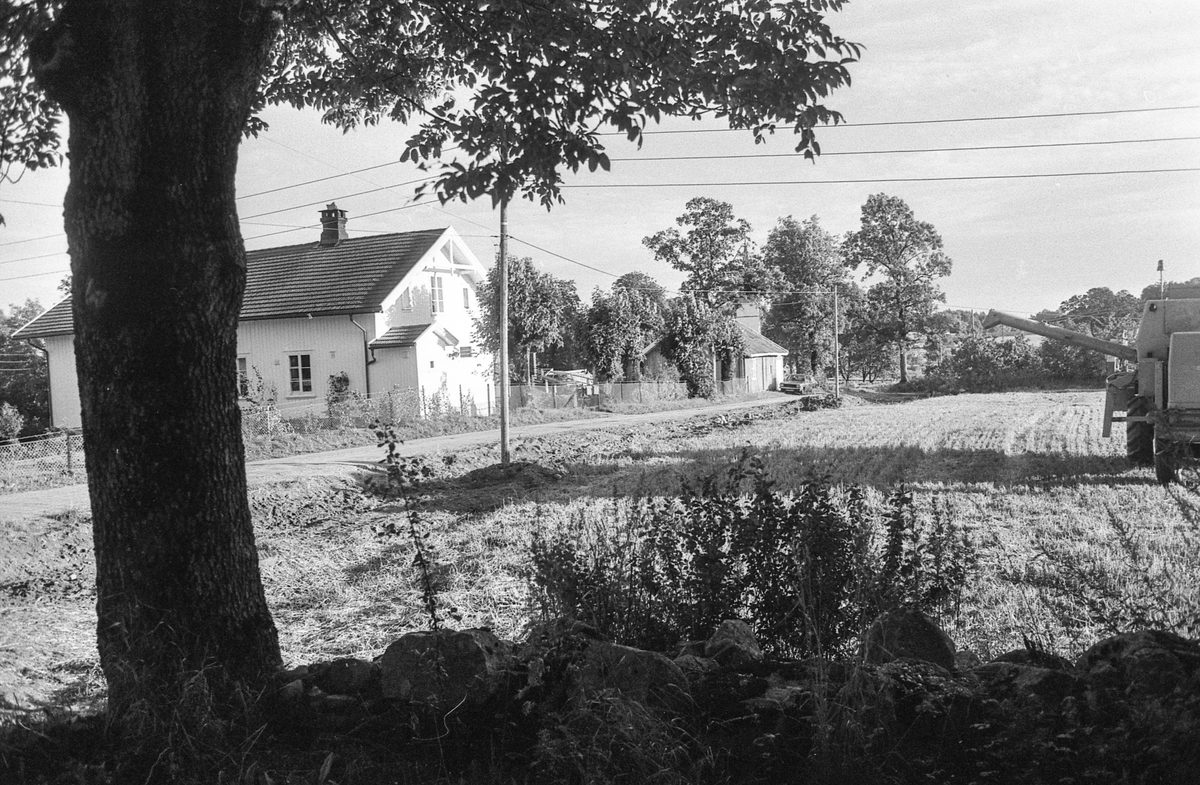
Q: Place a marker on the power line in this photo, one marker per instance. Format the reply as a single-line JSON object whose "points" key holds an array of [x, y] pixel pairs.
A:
{"points": [[913, 150], [35, 204], [564, 258], [35, 275], [30, 258], [318, 180], [346, 196], [928, 122], [888, 179], [32, 239]]}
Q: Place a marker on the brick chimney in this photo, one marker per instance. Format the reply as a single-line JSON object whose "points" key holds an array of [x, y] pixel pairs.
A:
{"points": [[333, 225]]}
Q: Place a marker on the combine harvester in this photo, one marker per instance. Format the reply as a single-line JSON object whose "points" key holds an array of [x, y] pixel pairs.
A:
{"points": [[1159, 399]]}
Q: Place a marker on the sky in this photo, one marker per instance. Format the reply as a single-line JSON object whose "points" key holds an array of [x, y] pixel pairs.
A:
{"points": [[1024, 228]]}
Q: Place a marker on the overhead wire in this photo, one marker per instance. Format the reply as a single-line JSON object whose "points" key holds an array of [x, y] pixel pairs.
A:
{"points": [[883, 123], [974, 148], [249, 218], [875, 180]]}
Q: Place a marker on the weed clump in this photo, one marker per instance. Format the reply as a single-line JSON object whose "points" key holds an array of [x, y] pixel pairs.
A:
{"points": [[808, 570]]}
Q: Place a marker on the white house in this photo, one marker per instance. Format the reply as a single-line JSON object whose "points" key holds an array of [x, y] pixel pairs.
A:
{"points": [[390, 311]]}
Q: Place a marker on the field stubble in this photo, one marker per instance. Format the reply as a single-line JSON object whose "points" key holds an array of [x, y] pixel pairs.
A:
{"points": [[1072, 544]]}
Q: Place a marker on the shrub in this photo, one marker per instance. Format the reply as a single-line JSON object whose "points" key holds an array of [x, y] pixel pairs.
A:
{"points": [[980, 364], [808, 570], [11, 421], [337, 391]]}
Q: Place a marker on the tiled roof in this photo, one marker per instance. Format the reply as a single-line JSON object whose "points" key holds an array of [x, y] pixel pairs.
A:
{"points": [[756, 344], [404, 335], [353, 276], [57, 321]]}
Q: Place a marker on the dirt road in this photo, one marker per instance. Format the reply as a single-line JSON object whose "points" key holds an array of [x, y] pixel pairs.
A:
{"points": [[31, 504]]}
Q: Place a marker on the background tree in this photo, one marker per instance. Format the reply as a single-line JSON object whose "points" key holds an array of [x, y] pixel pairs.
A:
{"points": [[866, 351], [697, 340], [908, 254], [1177, 289], [946, 329], [985, 363], [24, 370], [809, 260], [542, 310], [622, 324], [724, 272], [158, 97], [1101, 313], [723, 268]]}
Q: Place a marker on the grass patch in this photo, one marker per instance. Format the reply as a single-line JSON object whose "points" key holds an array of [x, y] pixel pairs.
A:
{"points": [[1071, 546]]}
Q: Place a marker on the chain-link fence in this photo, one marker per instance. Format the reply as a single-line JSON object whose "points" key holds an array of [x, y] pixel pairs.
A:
{"points": [[51, 459], [357, 411], [593, 396]]}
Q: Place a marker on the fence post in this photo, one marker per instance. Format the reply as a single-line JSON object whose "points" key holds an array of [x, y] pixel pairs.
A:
{"points": [[70, 468]]}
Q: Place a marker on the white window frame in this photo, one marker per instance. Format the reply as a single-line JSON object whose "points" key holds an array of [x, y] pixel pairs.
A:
{"points": [[300, 355], [437, 301]]}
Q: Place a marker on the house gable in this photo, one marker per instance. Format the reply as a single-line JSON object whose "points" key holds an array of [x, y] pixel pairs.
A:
{"points": [[411, 301]]}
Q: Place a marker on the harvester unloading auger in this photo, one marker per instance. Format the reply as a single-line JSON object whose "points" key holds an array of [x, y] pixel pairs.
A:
{"points": [[1159, 401]]}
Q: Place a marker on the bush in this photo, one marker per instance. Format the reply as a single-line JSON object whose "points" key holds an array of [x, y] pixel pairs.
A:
{"points": [[11, 421], [808, 570], [980, 364]]}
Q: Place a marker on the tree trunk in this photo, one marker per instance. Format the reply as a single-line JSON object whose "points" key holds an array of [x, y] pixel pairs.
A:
{"points": [[158, 95], [903, 363]]}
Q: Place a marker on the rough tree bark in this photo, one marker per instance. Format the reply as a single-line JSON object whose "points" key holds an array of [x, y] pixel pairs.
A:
{"points": [[158, 95]]}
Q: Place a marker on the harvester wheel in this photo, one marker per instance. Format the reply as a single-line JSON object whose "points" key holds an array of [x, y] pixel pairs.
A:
{"points": [[1139, 436], [1166, 460]]}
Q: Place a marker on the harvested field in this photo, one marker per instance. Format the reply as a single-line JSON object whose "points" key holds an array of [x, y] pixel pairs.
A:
{"points": [[1072, 545]]}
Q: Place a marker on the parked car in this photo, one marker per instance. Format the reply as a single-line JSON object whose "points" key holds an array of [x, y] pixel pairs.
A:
{"points": [[796, 384]]}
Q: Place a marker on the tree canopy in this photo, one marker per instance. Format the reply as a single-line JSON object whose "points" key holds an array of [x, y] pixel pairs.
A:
{"points": [[522, 91], [810, 262], [621, 325], [24, 372], [716, 253], [541, 308], [1099, 312], [908, 254]]}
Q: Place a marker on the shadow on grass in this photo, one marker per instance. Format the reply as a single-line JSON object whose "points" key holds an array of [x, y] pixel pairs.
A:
{"points": [[662, 472]]}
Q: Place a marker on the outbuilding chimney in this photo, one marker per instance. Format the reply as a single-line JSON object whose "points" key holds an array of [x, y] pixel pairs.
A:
{"points": [[333, 225]]}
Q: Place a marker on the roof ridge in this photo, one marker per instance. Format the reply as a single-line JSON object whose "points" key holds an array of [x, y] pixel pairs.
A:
{"points": [[351, 239]]}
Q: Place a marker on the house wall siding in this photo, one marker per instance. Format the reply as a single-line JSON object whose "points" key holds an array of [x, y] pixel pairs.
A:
{"points": [[333, 342], [64, 382], [395, 368]]}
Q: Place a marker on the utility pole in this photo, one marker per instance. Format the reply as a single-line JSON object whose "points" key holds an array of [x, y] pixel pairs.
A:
{"points": [[1162, 289], [837, 364], [502, 269]]}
